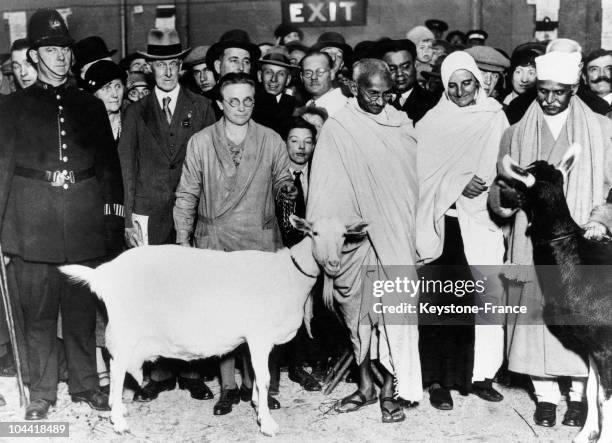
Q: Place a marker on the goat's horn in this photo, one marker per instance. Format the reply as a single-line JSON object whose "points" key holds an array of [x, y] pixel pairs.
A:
{"points": [[512, 169]]}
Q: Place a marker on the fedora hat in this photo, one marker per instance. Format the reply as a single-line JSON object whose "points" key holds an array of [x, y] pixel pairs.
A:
{"points": [[163, 44], [48, 28], [236, 38], [277, 56], [89, 50], [196, 56], [333, 40]]}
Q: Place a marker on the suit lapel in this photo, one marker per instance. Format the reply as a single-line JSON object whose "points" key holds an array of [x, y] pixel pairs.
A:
{"points": [[182, 122], [151, 116]]}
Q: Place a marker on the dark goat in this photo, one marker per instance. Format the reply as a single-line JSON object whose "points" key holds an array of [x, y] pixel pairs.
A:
{"points": [[578, 297]]}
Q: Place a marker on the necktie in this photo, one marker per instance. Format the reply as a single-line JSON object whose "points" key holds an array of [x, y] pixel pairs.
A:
{"points": [[300, 204], [396, 101], [167, 112]]}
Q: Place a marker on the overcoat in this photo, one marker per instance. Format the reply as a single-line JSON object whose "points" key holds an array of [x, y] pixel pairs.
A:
{"points": [[152, 154], [232, 208]]}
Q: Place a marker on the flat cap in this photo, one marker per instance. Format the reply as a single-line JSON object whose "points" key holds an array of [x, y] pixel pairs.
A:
{"points": [[488, 58]]}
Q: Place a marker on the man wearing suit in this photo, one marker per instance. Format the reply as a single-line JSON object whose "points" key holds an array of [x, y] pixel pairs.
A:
{"points": [[273, 107], [55, 174], [152, 149], [409, 97]]}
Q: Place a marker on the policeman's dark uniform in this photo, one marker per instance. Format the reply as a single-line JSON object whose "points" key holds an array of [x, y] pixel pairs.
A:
{"points": [[55, 175]]}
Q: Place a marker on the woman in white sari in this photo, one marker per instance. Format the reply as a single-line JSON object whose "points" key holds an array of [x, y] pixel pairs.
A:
{"points": [[457, 146]]}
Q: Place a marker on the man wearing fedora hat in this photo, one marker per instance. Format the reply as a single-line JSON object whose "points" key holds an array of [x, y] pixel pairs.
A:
{"points": [[409, 96], [273, 107], [234, 52], [152, 149], [56, 169]]}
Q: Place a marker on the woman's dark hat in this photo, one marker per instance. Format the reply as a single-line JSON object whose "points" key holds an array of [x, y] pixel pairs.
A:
{"points": [[102, 72], [163, 44]]}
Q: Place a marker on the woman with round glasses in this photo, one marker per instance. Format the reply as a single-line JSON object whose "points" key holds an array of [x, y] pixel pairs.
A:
{"points": [[235, 173], [458, 143]]}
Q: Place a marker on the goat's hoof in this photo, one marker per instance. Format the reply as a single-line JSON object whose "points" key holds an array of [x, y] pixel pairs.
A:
{"points": [[120, 425], [586, 436], [269, 427]]}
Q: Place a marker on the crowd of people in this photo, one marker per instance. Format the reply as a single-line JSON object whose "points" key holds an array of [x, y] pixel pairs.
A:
{"points": [[216, 146]]}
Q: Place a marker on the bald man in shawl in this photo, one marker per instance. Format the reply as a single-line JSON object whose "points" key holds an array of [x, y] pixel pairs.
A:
{"points": [[552, 123], [363, 169]]}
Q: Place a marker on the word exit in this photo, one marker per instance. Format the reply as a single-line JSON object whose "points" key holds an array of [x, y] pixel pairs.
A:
{"points": [[324, 13]]}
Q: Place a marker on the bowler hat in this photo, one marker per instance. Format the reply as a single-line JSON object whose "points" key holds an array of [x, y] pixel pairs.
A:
{"points": [[235, 38], [333, 40], [89, 50], [135, 79], [163, 44], [102, 72], [48, 28]]}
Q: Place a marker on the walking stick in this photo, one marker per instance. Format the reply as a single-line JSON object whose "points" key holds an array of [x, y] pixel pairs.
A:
{"points": [[340, 374], [8, 310]]}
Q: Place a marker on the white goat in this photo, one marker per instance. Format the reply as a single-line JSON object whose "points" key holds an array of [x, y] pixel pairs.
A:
{"points": [[188, 303]]}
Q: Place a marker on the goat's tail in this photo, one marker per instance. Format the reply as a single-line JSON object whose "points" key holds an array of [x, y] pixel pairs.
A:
{"points": [[80, 275]]}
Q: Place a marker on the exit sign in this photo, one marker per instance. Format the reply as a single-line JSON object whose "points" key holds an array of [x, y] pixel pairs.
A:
{"points": [[324, 13]]}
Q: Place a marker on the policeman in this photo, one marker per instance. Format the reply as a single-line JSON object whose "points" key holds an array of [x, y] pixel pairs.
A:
{"points": [[55, 173]]}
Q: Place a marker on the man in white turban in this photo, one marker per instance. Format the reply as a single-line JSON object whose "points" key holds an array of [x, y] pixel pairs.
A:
{"points": [[551, 124]]}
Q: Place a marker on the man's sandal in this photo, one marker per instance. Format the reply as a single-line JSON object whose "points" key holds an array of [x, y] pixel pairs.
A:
{"points": [[391, 415], [356, 399]]}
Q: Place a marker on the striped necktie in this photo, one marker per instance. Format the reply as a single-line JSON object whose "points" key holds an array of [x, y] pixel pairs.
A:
{"points": [[167, 112]]}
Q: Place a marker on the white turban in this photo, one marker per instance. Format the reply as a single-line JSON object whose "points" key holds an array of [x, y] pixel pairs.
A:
{"points": [[459, 60], [560, 67]]}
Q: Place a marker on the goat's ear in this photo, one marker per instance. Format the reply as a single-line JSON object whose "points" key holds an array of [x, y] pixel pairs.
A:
{"points": [[300, 224], [513, 170], [356, 231], [569, 160]]}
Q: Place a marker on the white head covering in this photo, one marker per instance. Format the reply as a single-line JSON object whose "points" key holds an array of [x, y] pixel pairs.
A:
{"points": [[459, 60], [560, 67], [418, 34]]}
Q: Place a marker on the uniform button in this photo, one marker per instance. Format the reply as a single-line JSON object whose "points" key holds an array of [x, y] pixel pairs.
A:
{"points": [[60, 107], [64, 146], [65, 186], [61, 119], [64, 172], [58, 96], [63, 132], [65, 159]]}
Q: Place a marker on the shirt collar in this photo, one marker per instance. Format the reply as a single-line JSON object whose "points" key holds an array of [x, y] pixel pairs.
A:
{"points": [[172, 94]]}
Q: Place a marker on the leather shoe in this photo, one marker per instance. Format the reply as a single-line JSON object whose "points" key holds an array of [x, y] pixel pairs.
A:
{"points": [[545, 414], [97, 400], [227, 399], [37, 409], [319, 370], [246, 394], [152, 389], [440, 398], [304, 379], [575, 414], [196, 387], [484, 389]]}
